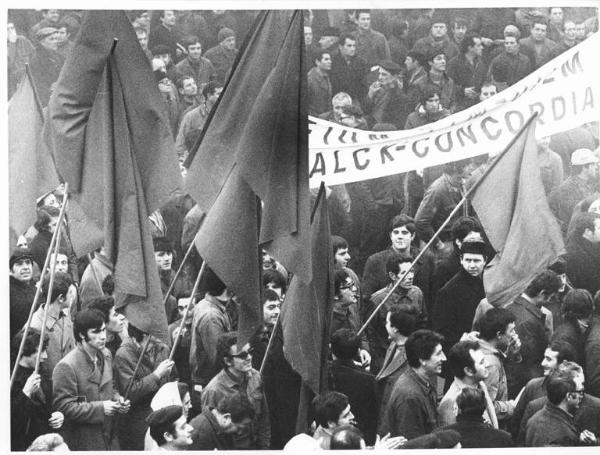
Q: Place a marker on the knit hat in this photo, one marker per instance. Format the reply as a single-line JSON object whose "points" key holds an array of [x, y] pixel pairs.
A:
{"points": [[224, 33], [473, 247], [162, 244], [18, 254]]}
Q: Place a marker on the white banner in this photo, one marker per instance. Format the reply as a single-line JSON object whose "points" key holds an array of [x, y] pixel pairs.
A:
{"points": [[565, 93]]}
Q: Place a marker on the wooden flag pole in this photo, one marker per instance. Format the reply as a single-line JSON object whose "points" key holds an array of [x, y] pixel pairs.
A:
{"points": [[447, 220], [50, 285], [185, 313], [38, 291], [137, 367], [180, 268], [264, 360]]}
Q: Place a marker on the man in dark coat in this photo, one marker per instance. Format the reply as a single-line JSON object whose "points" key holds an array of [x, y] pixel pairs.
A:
{"points": [[474, 433], [583, 253], [83, 388], [358, 385], [223, 55], [468, 71], [457, 301], [411, 410], [319, 84], [200, 68], [30, 409], [592, 355], [530, 326], [163, 255], [22, 290], [577, 308], [213, 429], [154, 371], [348, 71], [46, 62], [386, 101], [165, 34]]}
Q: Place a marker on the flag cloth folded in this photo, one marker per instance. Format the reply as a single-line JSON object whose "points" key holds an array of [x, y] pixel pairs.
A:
{"points": [[511, 204], [306, 310], [113, 145], [31, 168], [265, 136], [228, 242]]}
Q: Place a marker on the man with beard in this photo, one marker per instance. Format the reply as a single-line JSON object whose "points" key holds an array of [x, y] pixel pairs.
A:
{"points": [[411, 410], [163, 255]]}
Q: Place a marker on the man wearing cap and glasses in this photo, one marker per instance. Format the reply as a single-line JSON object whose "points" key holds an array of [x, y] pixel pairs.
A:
{"points": [[584, 181], [239, 378]]}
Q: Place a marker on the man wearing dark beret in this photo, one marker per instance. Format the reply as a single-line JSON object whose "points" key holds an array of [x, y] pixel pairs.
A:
{"points": [[457, 300], [168, 427], [386, 101]]}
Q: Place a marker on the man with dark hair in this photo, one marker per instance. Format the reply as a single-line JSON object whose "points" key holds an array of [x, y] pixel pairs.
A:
{"points": [[168, 427], [214, 428], [536, 46], [474, 433], [163, 256], [468, 365], [345, 312], [499, 341], [411, 410], [22, 290], [531, 330], [468, 71], [238, 378], [405, 297], [210, 321], [582, 183], [464, 228], [438, 77], [415, 63], [154, 371], [332, 410], [577, 309], [58, 324], [115, 321], [188, 95], [142, 36], [457, 300], [372, 46], [399, 324], [200, 68], [166, 34], [195, 118], [556, 353], [554, 423], [583, 253], [401, 233], [358, 385], [223, 54], [319, 84], [348, 70], [83, 388], [30, 406], [341, 257], [428, 109]]}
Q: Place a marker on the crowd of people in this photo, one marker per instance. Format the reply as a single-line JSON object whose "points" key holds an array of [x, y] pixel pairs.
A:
{"points": [[437, 366]]}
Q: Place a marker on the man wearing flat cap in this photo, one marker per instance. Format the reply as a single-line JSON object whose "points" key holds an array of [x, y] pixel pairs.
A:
{"points": [[223, 54], [46, 63], [168, 427], [584, 181], [386, 101], [22, 289], [457, 300]]}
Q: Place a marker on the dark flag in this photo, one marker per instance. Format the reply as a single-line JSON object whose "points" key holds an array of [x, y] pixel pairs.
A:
{"points": [[256, 141], [511, 204], [31, 168], [113, 146]]}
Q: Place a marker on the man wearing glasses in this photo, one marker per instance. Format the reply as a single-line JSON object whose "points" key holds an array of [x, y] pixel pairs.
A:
{"points": [[239, 378]]}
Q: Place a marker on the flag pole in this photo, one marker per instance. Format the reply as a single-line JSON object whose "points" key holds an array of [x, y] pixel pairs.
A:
{"points": [[50, 286], [264, 360], [447, 220], [38, 291], [185, 313], [179, 269], [137, 367]]}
